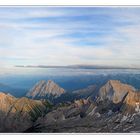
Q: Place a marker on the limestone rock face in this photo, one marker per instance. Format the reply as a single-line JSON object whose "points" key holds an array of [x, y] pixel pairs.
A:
{"points": [[132, 102], [43, 89], [114, 91], [132, 98], [18, 114], [6, 101]]}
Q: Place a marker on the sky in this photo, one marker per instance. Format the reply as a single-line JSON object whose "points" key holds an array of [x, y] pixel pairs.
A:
{"points": [[69, 36]]}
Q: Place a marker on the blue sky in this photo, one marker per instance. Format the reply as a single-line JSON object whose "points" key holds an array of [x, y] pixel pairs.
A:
{"points": [[70, 35]]}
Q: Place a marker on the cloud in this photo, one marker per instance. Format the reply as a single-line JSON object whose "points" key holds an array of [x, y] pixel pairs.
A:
{"points": [[69, 35]]}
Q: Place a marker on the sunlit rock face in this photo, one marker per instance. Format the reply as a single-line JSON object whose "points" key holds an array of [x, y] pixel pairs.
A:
{"points": [[18, 114], [132, 102], [114, 91], [43, 89], [122, 96]]}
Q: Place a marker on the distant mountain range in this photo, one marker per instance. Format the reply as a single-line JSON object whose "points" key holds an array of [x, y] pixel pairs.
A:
{"points": [[18, 92], [80, 67], [114, 108]]}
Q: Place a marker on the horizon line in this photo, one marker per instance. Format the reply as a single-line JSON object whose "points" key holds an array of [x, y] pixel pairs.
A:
{"points": [[83, 66]]}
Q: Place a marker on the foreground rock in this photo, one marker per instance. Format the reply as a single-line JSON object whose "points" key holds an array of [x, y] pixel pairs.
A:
{"points": [[18, 114]]}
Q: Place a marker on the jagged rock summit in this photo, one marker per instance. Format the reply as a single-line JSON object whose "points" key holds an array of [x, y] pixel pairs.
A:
{"points": [[114, 91], [43, 89]]}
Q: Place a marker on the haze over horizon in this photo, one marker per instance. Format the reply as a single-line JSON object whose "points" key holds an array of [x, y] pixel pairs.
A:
{"points": [[62, 36]]}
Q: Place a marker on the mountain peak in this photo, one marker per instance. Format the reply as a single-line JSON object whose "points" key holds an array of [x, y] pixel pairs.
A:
{"points": [[43, 89], [114, 90], [50, 81], [41, 82], [112, 82], [4, 95]]}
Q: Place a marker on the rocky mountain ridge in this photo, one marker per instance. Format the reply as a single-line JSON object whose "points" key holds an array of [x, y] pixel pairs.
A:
{"points": [[116, 109], [18, 114]]}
